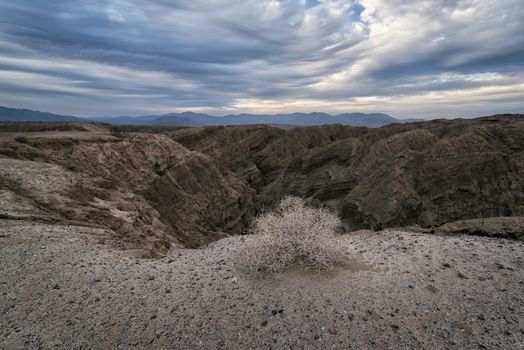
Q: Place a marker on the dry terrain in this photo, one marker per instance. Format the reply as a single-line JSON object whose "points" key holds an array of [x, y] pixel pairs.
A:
{"points": [[69, 287], [119, 237]]}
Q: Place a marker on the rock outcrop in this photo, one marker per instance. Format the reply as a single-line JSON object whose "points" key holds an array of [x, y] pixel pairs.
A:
{"points": [[148, 188], [503, 227], [426, 173]]}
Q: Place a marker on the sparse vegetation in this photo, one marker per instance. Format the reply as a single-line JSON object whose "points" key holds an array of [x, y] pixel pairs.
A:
{"points": [[39, 126], [292, 234], [148, 129], [117, 132], [21, 139]]}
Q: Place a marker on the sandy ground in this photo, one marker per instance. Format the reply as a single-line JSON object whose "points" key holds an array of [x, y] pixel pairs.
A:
{"points": [[67, 287]]}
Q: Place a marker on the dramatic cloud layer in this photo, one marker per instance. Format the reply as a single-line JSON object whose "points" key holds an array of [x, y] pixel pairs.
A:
{"points": [[403, 57]]}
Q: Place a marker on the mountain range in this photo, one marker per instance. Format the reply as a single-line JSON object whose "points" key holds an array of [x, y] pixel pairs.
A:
{"points": [[27, 115], [371, 120]]}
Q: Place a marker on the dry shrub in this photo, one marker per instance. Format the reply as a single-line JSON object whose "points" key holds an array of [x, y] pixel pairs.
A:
{"points": [[292, 234], [21, 139]]}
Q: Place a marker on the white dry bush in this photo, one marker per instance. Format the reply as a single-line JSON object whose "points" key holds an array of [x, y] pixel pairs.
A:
{"points": [[292, 234]]}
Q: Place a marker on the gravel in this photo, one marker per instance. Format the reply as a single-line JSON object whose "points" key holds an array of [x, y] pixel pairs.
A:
{"points": [[70, 287]]}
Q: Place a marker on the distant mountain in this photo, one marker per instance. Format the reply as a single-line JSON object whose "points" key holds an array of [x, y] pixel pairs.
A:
{"points": [[27, 115], [126, 120], [371, 120], [186, 119]]}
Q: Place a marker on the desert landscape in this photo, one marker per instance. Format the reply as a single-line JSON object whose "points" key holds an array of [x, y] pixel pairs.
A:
{"points": [[262, 174], [121, 237]]}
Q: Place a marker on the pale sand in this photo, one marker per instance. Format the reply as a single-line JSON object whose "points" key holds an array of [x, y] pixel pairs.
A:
{"points": [[67, 287]]}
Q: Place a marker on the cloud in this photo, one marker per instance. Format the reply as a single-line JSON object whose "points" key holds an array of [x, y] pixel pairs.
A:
{"points": [[94, 57]]}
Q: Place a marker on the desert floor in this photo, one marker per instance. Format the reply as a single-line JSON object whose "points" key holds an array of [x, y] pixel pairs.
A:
{"points": [[69, 287]]}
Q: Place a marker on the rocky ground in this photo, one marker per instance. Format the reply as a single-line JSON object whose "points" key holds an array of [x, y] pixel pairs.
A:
{"points": [[71, 287]]}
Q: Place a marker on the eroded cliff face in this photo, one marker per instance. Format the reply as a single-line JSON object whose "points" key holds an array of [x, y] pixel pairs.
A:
{"points": [[426, 173], [200, 200], [187, 187], [148, 188]]}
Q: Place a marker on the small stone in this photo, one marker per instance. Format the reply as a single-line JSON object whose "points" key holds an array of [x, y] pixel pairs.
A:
{"points": [[56, 286], [481, 317], [274, 312], [446, 265], [264, 323], [461, 275], [431, 288], [394, 326], [150, 278]]}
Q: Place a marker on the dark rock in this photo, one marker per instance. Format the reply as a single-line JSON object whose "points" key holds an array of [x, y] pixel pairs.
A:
{"points": [[427, 173], [432, 289], [461, 275]]}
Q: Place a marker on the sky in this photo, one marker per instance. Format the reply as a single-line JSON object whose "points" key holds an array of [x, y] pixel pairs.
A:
{"points": [[407, 58]]}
